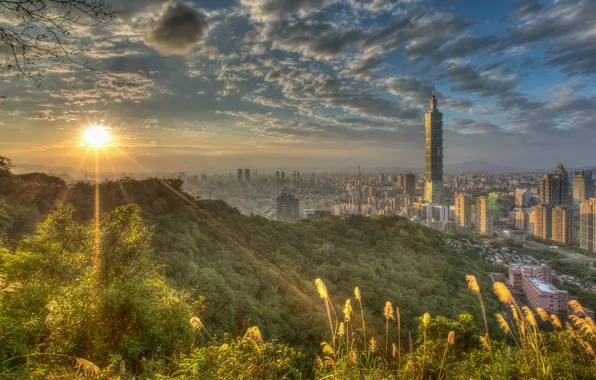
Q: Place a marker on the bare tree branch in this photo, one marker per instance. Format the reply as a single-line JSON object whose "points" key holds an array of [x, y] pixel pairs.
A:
{"points": [[41, 30]]}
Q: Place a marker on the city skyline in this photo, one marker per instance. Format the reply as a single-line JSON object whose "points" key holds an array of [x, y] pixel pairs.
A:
{"points": [[218, 85]]}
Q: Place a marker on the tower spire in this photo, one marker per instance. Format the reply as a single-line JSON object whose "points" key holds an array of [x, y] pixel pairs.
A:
{"points": [[433, 101]]}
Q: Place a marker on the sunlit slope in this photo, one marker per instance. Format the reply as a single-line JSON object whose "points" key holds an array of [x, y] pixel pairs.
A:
{"points": [[258, 272]]}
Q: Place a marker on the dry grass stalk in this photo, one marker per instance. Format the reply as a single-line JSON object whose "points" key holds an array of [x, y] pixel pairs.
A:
{"points": [[88, 368], [254, 333]]}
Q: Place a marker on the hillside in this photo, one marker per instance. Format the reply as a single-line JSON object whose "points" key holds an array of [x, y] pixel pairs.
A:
{"points": [[170, 287], [254, 271]]}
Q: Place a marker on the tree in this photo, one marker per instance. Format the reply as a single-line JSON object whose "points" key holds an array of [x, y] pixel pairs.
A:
{"points": [[36, 30], [5, 164]]}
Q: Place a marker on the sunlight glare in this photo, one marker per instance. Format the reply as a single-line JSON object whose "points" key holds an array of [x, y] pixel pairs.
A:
{"points": [[97, 136]]}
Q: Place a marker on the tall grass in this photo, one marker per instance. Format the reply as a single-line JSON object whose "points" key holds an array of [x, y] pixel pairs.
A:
{"points": [[533, 353]]}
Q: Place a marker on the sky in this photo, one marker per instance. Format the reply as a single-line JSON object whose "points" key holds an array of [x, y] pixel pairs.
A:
{"points": [[213, 85]]}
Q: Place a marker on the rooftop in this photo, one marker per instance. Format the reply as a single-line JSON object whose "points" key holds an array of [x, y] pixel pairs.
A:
{"points": [[543, 287]]}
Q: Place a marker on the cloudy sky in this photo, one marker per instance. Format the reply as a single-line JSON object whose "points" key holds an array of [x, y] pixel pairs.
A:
{"points": [[216, 84]]}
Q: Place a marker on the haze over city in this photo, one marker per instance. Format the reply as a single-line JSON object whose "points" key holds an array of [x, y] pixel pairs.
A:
{"points": [[211, 85]]}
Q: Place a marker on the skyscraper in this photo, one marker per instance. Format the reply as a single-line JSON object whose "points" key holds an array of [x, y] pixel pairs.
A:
{"points": [[522, 197], [521, 220], [463, 210], [287, 208], [562, 224], [409, 183], [247, 175], [554, 188], [433, 188], [239, 175], [543, 221], [583, 187], [484, 215], [587, 225]]}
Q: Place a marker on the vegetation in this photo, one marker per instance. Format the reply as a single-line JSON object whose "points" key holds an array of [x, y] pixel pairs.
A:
{"points": [[171, 287]]}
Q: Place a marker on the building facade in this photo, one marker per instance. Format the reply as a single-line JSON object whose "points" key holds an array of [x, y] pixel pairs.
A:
{"points": [[433, 185], [409, 183], [247, 175], [554, 188], [287, 208], [543, 221], [583, 187], [522, 197], [463, 210], [522, 220], [562, 224], [484, 215], [239, 176], [535, 282], [587, 225]]}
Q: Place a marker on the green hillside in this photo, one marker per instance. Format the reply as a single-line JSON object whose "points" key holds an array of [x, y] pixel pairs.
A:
{"points": [[254, 271], [172, 259]]}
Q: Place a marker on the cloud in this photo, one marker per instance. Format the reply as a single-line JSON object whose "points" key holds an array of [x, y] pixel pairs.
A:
{"points": [[565, 26], [273, 76], [333, 93], [485, 82], [361, 68], [316, 39], [177, 30], [422, 32], [275, 10], [467, 126], [467, 46], [129, 8], [416, 92]]}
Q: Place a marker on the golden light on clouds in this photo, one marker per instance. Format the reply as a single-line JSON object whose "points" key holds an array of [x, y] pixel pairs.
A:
{"points": [[97, 136]]}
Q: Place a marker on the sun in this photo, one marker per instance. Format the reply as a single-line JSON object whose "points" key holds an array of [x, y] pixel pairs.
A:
{"points": [[97, 136]]}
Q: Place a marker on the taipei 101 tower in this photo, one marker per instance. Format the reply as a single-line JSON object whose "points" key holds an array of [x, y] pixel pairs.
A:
{"points": [[433, 187]]}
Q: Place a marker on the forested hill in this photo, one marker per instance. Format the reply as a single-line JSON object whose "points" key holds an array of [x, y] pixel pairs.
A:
{"points": [[253, 271]]}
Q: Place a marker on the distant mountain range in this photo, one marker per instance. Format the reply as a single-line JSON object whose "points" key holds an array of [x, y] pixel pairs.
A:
{"points": [[476, 166], [481, 166]]}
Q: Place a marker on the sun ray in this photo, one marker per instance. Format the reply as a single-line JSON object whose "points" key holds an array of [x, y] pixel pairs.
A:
{"points": [[273, 271]]}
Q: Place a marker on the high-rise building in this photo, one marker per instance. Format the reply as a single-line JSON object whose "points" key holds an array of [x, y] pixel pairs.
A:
{"points": [[587, 225], [562, 224], [409, 183], [521, 220], [522, 197], [382, 178], [433, 186], [554, 188], [463, 210], [283, 176], [400, 181], [543, 221], [583, 187], [531, 222], [240, 175], [287, 208], [485, 207], [277, 176], [247, 175]]}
